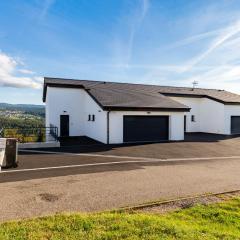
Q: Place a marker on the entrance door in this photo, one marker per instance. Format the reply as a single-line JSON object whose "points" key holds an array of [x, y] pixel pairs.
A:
{"points": [[64, 125], [145, 128]]}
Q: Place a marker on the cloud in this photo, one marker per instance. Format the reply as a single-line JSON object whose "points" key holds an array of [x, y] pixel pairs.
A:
{"points": [[137, 20], [194, 39], [47, 4], [11, 76], [25, 71], [145, 7], [124, 43], [228, 33]]}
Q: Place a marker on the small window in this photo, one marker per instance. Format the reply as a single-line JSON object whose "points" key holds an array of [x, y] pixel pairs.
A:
{"points": [[193, 118], [89, 117], [93, 117]]}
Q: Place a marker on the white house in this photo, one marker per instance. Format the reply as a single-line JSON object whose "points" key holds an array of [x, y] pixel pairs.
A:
{"points": [[121, 112]]}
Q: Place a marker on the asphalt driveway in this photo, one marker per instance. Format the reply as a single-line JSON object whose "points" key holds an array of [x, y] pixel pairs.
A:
{"points": [[195, 145], [45, 183]]}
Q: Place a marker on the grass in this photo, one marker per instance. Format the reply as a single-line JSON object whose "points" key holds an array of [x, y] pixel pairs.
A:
{"points": [[214, 221]]}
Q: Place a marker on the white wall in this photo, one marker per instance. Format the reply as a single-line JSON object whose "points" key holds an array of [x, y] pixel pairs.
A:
{"points": [[176, 124], [212, 117], [230, 110], [69, 100], [97, 129], [209, 114], [78, 105], [195, 105]]}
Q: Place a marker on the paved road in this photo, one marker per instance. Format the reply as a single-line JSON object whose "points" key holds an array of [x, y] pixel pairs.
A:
{"points": [[110, 183]]}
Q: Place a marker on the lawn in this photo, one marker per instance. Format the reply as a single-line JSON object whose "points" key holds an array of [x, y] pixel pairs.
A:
{"points": [[215, 221]]}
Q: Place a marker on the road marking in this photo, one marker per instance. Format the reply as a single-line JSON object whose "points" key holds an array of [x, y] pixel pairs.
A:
{"points": [[129, 157], [140, 160]]}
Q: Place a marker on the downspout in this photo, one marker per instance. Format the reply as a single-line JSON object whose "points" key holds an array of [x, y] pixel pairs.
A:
{"points": [[108, 113]]}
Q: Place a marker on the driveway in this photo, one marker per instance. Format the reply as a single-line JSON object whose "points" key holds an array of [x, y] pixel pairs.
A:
{"points": [[46, 183], [195, 145]]}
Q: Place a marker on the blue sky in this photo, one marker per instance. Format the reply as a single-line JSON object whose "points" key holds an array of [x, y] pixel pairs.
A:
{"points": [[171, 42]]}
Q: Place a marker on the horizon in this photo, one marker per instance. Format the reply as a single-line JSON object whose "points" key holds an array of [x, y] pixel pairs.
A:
{"points": [[164, 43]]}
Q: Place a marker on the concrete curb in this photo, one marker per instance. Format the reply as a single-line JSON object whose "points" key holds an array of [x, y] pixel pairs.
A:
{"points": [[161, 202]]}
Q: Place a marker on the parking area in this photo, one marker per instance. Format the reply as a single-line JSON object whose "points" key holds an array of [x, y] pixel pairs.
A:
{"points": [[95, 178]]}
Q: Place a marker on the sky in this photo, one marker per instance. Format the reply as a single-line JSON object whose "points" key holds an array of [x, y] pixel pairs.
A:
{"points": [[162, 42]]}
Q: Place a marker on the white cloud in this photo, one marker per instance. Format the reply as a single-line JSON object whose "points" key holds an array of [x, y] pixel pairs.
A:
{"points": [[224, 36], [218, 66], [221, 77], [123, 47], [11, 76], [25, 71], [47, 4], [194, 39]]}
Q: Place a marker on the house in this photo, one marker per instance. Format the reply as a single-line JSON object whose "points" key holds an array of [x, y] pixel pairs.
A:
{"points": [[112, 112]]}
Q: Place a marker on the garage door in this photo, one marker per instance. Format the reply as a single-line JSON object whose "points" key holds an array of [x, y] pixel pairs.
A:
{"points": [[235, 124], [145, 128]]}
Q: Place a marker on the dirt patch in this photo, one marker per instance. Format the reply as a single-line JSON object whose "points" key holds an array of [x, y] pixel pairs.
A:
{"points": [[168, 206], [48, 197]]}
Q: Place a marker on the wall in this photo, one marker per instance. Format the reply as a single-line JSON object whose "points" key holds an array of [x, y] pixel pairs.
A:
{"points": [[209, 115], [230, 110], [97, 129], [176, 123], [212, 117], [69, 100], [195, 105], [78, 105]]}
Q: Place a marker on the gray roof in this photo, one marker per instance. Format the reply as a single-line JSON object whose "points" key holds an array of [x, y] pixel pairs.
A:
{"points": [[120, 96]]}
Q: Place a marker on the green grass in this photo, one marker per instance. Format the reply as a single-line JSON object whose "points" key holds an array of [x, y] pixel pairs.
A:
{"points": [[215, 221]]}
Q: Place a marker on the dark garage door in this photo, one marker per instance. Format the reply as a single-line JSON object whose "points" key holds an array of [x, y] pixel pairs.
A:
{"points": [[235, 124], [145, 128]]}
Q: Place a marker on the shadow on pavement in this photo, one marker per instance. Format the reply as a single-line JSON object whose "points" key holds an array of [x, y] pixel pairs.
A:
{"points": [[40, 174]]}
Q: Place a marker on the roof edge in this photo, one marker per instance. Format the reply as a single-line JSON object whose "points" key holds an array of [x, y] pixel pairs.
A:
{"points": [[58, 86], [67, 86], [153, 109], [199, 96]]}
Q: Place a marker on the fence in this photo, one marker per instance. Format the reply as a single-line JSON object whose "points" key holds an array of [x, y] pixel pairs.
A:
{"points": [[24, 135]]}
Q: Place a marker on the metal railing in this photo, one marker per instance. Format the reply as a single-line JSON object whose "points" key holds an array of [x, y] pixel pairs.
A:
{"points": [[36, 134]]}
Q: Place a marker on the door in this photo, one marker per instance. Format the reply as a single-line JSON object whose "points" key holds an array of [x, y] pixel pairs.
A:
{"points": [[145, 128], [235, 124], [64, 125]]}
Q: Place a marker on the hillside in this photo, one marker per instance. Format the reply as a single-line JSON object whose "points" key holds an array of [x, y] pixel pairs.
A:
{"points": [[38, 110], [21, 115]]}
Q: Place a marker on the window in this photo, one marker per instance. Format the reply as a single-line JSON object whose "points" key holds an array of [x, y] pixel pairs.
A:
{"points": [[193, 118], [91, 117]]}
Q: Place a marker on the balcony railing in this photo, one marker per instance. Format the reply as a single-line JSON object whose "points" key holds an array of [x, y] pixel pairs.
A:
{"points": [[24, 135]]}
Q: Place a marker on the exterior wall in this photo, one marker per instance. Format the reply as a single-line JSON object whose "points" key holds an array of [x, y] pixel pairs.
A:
{"points": [[176, 123], [209, 115], [195, 105], [61, 101], [97, 129], [212, 117], [230, 110], [78, 105]]}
